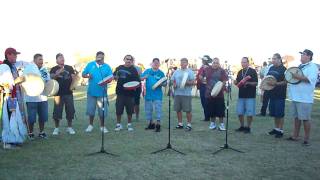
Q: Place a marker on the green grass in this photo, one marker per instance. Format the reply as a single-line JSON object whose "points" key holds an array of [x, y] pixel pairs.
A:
{"points": [[64, 156]]}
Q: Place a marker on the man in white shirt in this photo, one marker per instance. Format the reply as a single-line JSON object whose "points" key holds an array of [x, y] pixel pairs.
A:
{"points": [[301, 95], [37, 104]]}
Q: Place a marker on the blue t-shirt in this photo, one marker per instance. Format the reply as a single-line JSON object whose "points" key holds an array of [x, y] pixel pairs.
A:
{"points": [[153, 77], [97, 75], [178, 76]]}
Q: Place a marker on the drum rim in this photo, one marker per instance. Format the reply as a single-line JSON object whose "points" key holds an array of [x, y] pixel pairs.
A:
{"points": [[220, 82], [137, 84], [162, 79], [104, 79], [267, 77], [288, 70]]}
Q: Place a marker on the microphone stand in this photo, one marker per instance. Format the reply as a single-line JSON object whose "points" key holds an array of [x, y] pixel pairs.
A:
{"points": [[102, 150], [226, 145], [169, 146]]}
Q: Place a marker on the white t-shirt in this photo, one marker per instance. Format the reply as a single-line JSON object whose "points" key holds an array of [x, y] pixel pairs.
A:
{"points": [[304, 91], [43, 72]]}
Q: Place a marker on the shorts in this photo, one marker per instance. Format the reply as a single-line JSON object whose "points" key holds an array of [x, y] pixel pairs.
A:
{"points": [[122, 102], [182, 103], [59, 102], [276, 108], [40, 108], [246, 106], [93, 102], [300, 110], [215, 107], [151, 105]]}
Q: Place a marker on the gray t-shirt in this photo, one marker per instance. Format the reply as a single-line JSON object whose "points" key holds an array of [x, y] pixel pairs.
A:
{"points": [[177, 77]]}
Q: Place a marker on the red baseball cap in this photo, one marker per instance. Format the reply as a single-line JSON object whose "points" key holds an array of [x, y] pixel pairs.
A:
{"points": [[11, 51]]}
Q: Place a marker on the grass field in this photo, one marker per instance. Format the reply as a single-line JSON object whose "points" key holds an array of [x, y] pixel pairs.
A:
{"points": [[64, 156]]}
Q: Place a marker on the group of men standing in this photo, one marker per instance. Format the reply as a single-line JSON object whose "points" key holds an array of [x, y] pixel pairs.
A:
{"points": [[206, 79]]}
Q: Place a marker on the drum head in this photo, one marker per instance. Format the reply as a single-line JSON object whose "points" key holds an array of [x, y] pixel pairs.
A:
{"points": [[289, 72], [33, 85], [131, 85], [158, 83], [75, 82], [106, 80], [216, 89], [51, 88], [264, 83], [184, 80]]}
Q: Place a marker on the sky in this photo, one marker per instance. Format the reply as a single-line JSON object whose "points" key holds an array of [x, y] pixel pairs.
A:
{"points": [[228, 29]]}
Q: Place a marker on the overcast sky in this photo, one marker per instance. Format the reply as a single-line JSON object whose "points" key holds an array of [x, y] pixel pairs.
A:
{"points": [[228, 29]]}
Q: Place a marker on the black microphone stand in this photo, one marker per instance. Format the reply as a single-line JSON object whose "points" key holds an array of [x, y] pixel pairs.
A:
{"points": [[169, 146], [226, 145], [102, 150]]}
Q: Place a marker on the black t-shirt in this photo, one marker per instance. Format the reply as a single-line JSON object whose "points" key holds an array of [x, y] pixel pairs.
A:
{"points": [[247, 91], [279, 92], [125, 74], [64, 79]]}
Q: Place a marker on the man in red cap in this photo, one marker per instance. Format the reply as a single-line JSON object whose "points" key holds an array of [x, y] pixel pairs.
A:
{"points": [[9, 65]]}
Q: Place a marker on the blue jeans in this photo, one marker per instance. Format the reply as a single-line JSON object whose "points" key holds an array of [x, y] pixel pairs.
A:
{"points": [[148, 107], [94, 102], [203, 101], [40, 108]]}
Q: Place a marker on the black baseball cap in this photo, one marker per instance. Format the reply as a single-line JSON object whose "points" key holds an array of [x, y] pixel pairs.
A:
{"points": [[307, 52]]}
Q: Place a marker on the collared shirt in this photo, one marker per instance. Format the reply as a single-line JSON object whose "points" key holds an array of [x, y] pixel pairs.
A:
{"points": [[304, 91], [153, 77], [98, 73]]}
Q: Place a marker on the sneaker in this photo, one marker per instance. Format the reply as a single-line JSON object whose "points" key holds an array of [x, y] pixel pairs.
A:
{"points": [[7, 146], [70, 130], [221, 127], [89, 128], [150, 126], [273, 132], [31, 136], [56, 131], [306, 143], [104, 129], [130, 128], [247, 130], [43, 135], [292, 139], [118, 127], [279, 134], [179, 126], [188, 128], [212, 125], [158, 128], [240, 129]]}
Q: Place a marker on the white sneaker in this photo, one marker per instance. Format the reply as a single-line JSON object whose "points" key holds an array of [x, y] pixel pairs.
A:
{"points": [[221, 127], [130, 128], [104, 129], [212, 125], [56, 131], [7, 146], [70, 130], [118, 127], [89, 128]]}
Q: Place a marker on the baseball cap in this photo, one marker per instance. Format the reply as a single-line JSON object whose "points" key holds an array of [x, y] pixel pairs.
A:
{"points": [[307, 52], [11, 51]]}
